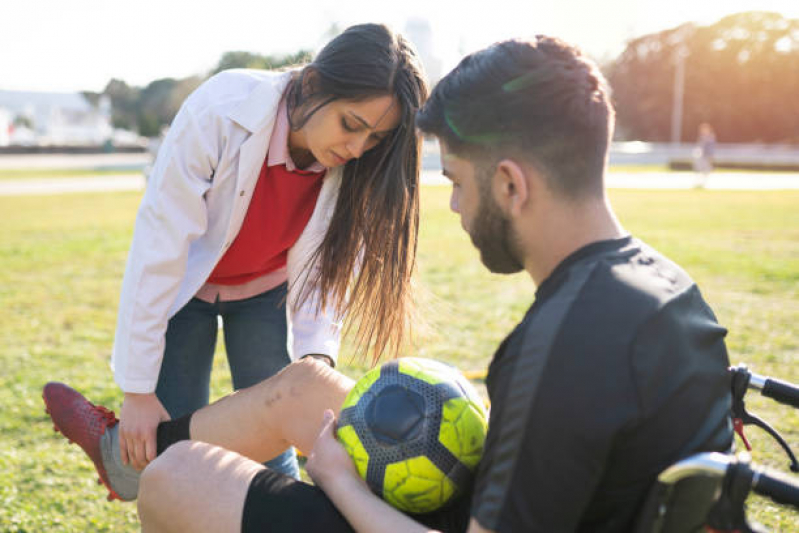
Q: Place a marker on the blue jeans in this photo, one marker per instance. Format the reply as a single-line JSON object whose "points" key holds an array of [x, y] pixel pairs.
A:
{"points": [[255, 333]]}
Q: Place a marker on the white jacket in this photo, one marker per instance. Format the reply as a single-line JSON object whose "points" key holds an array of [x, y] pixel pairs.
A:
{"points": [[194, 205]]}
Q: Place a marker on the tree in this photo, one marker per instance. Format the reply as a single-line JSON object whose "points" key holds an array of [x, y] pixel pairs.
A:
{"points": [[249, 60], [147, 110], [741, 75], [124, 103]]}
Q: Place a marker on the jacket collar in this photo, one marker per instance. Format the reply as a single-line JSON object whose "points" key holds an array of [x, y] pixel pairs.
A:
{"points": [[260, 106]]}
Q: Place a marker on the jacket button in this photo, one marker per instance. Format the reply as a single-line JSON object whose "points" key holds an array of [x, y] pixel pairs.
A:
{"points": [[241, 193]]}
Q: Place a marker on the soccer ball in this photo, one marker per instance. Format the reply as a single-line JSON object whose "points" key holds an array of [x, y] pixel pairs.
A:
{"points": [[415, 429]]}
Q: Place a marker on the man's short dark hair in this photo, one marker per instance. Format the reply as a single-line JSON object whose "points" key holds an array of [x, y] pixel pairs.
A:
{"points": [[542, 101]]}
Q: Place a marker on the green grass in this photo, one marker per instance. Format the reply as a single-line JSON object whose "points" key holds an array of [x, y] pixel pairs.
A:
{"points": [[47, 173], [637, 169], [62, 260]]}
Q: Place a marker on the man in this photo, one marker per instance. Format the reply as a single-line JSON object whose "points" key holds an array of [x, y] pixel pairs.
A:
{"points": [[617, 370]]}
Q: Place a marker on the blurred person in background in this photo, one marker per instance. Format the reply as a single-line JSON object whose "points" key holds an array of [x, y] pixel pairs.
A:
{"points": [[704, 153]]}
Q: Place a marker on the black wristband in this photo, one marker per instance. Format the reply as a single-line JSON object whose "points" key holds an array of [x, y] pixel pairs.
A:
{"points": [[322, 357]]}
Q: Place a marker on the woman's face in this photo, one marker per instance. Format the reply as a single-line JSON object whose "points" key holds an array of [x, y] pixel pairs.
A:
{"points": [[345, 129]]}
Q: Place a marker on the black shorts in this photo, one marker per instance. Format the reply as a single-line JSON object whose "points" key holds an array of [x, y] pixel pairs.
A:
{"points": [[276, 502]]}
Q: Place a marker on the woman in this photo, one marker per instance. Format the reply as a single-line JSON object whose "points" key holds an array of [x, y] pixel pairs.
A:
{"points": [[270, 191]]}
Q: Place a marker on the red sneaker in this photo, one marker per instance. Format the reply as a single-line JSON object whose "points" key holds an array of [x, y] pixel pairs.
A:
{"points": [[81, 422]]}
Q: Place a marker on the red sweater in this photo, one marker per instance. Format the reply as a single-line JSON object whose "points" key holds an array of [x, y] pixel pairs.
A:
{"points": [[281, 206]]}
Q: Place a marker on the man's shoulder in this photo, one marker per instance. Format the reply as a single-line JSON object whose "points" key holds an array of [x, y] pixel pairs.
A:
{"points": [[602, 304], [629, 285]]}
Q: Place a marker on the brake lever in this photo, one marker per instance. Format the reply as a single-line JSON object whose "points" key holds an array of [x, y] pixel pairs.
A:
{"points": [[741, 417]]}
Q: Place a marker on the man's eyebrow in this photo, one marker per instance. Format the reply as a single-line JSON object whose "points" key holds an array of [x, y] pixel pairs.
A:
{"points": [[362, 121], [446, 174]]}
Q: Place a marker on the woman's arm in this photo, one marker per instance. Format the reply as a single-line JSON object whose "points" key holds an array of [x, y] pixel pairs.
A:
{"points": [[172, 214], [333, 471]]}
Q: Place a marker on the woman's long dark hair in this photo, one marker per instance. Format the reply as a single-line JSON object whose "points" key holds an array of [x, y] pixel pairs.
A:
{"points": [[375, 223]]}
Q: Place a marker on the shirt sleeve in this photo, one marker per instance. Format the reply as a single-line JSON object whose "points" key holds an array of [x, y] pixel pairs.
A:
{"points": [[314, 333], [172, 214]]}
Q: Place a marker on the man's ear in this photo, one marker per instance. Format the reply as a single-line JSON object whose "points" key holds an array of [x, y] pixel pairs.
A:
{"points": [[511, 188]]}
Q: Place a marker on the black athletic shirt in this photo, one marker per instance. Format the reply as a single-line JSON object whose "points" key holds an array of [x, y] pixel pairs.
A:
{"points": [[617, 370]]}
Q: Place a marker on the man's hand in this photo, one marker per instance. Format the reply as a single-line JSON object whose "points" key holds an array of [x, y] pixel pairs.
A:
{"points": [[329, 463], [138, 420], [333, 470]]}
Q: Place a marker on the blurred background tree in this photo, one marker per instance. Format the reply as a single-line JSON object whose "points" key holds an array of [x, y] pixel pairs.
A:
{"points": [[249, 60], [741, 76], [147, 110]]}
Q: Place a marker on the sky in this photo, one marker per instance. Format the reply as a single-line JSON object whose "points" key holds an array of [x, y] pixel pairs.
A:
{"points": [[73, 45]]}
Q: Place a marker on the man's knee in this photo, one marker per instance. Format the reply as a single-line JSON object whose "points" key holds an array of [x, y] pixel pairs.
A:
{"points": [[155, 478], [308, 368], [299, 377]]}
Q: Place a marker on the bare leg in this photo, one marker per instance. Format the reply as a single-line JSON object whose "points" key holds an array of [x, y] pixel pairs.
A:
{"points": [[202, 484], [261, 421], [194, 486]]}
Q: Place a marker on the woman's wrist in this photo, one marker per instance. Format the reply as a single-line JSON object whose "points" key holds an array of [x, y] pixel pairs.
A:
{"points": [[322, 357]]}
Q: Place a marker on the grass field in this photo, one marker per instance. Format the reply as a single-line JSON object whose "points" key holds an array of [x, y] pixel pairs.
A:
{"points": [[63, 256], [48, 173]]}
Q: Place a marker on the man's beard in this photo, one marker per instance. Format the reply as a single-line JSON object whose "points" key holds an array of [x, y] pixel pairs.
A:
{"points": [[493, 236]]}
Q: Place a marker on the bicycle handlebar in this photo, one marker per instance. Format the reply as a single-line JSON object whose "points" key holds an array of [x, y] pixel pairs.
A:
{"points": [[708, 463], [778, 390], [781, 391], [778, 487]]}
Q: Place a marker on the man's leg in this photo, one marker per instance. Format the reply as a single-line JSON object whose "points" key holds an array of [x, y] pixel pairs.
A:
{"points": [[263, 420], [258, 422], [195, 486], [255, 340]]}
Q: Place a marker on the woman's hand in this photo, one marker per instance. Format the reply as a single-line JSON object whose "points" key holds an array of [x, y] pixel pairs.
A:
{"points": [[329, 463], [138, 420]]}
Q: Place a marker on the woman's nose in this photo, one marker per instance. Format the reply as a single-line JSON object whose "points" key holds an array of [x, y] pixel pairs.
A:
{"points": [[357, 146]]}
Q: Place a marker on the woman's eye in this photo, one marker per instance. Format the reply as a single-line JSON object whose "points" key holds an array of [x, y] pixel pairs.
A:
{"points": [[346, 125]]}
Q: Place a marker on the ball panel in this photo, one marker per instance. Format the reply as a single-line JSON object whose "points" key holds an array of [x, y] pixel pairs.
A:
{"points": [[416, 486], [349, 439], [396, 415], [427, 370], [463, 430], [470, 392], [360, 387]]}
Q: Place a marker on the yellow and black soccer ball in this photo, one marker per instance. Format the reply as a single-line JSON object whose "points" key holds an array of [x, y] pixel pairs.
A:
{"points": [[415, 429]]}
